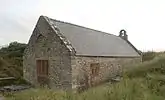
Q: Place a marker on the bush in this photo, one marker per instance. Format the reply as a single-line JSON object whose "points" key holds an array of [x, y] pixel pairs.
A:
{"points": [[157, 65], [148, 55], [11, 62]]}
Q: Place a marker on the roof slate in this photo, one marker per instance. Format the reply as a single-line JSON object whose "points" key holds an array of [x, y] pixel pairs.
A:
{"points": [[90, 42]]}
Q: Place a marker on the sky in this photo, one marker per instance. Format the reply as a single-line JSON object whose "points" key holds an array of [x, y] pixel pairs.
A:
{"points": [[144, 20]]}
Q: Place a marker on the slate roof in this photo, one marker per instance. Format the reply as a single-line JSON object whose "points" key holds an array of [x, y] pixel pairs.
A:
{"points": [[90, 42]]}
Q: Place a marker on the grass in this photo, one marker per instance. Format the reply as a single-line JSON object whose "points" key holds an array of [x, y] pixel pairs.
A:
{"points": [[135, 89], [144, 81]]}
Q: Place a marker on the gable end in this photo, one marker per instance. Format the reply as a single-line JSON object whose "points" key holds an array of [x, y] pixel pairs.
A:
{"points": [[62, 37]]}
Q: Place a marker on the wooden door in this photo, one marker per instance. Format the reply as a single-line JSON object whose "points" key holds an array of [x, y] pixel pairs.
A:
{"points": [[42, 72]]}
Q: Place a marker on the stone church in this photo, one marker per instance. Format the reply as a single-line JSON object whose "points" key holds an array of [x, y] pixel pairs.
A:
{"points": [[62, 55]]}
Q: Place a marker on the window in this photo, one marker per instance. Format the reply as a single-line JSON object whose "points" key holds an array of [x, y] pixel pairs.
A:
{"points": [[94, 69], [42, 67]]}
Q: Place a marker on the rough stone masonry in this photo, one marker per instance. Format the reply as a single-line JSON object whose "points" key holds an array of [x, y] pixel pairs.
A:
{"points": [[74, 57]]}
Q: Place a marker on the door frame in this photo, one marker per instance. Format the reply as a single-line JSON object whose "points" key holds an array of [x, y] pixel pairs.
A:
{"points": [[42, 77]]}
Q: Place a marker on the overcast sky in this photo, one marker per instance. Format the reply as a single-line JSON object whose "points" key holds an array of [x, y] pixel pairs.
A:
{"points": [[144, 20]]}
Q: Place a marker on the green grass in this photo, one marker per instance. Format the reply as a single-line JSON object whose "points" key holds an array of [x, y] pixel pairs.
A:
{"points": [[141, 82], [11, 63], [134, 89], [144, 81]]}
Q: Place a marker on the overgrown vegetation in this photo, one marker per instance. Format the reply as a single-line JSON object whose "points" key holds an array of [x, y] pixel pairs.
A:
{"points": [[149, 55], [11, 62], [144, 81]]}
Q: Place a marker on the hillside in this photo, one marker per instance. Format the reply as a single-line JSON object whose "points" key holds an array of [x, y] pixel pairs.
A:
{"points": [[11, 60], [144, 81]]}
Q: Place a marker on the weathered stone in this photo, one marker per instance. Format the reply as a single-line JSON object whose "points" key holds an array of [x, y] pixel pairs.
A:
{"points": [[48, 46], [66, 70], [109, 68]]}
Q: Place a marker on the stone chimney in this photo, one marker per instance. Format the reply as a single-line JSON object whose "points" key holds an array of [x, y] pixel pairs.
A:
{"points": [[123, 34]]}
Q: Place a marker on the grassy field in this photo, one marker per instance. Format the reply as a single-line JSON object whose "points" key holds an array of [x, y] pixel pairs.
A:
{"points": [[144, 81]]}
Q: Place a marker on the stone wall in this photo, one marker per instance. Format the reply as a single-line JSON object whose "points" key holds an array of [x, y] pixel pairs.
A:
{"points": [[46, 44], [109, 67], [65, 70]]}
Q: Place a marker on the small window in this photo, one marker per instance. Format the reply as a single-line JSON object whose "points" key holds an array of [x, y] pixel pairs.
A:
{"points": [[94, 69], [42, 67]]}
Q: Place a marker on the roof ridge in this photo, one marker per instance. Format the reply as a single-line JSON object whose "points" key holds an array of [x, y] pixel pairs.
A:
{"points": [[61, 36], [81, 26]]}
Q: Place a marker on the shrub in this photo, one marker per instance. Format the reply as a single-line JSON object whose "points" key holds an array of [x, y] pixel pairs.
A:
{"points": [[148, 55], [11, 62]]}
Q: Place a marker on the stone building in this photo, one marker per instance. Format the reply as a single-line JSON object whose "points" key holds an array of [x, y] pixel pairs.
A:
{"points": [[62, 55]]}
